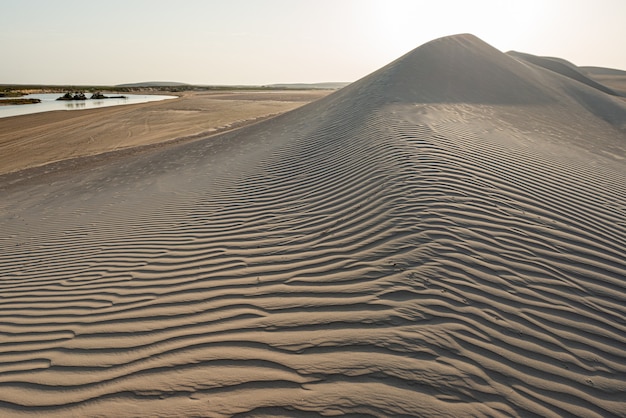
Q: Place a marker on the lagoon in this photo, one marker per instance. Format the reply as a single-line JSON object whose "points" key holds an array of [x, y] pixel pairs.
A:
{"points": [[49, 103]]}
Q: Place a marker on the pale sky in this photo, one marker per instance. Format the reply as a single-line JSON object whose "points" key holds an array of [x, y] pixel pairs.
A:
{"points": [[276, 41]]}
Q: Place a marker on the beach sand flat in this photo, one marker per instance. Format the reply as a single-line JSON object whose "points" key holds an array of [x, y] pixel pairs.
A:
{"points": [[41, 138], [444, 237]]}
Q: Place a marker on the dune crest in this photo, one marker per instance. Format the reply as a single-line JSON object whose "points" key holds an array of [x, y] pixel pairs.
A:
{"points": [[445, 237], [562, 67]]}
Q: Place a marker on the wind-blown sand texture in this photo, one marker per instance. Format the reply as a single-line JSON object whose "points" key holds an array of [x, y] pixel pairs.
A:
{"points": [[41, 138], [445, 237]]}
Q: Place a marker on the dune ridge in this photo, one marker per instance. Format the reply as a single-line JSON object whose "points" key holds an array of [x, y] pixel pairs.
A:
{"points": [[563, 67], [435, 239]]}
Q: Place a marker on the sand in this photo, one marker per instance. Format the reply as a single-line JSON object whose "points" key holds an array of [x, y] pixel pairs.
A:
{"points": [[39, 139], [445, 237], [614, 79]]}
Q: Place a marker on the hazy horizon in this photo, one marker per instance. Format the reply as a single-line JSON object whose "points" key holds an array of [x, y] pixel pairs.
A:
{"points": [[276, 41]]}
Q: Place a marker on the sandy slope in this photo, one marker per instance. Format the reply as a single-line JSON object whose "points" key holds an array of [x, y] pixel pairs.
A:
{"points": [[445, 237], [615, 79], [564, 68]]}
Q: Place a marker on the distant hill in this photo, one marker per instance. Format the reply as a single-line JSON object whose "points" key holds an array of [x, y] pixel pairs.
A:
{"points": [[154, 84], [294, 86], [333, 85]]}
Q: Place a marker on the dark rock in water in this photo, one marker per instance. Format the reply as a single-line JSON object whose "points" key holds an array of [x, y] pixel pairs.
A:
{"points": [[97, 95], [74, 96]]}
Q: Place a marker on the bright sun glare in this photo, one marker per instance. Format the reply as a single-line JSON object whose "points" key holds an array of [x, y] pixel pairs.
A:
{"points": [[401, 25]]}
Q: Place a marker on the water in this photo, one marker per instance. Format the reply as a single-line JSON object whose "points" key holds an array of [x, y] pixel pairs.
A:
{"points": [[49, 103]]}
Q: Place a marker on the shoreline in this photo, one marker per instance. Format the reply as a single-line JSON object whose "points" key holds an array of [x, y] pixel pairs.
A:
{"points": [[18, 101], [51, 102]]}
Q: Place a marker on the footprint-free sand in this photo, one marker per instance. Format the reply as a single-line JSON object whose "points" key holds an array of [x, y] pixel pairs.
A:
{"points": [[444, 237]]}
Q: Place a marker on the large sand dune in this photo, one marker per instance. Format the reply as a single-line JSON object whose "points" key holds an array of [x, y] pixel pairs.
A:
{"points": [[445, 237]]}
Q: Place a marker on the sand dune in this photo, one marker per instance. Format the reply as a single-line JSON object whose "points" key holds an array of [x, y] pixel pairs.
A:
{"points": [[445, 237], [563, 67], [615, 79]]}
